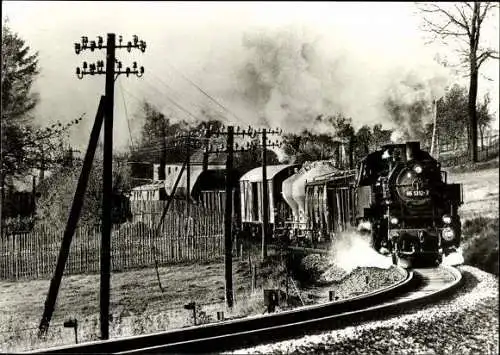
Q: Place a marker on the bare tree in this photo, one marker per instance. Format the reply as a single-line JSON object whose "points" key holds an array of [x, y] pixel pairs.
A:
{"points": [[463, 23]]}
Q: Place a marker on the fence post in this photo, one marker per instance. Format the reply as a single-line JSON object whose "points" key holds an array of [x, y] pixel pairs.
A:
{"points": [[17, 255], [254, 278]]}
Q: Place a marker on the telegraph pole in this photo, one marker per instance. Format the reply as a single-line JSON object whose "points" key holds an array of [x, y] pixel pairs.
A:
{"points": [[265, 186], [188, 176], [228, 219], [232, 148], [2, 197], [265, 195], [228, 211], [107, 177]]}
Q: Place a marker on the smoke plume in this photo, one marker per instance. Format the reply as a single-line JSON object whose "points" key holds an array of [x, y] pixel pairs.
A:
{"points": [[286, 77]]}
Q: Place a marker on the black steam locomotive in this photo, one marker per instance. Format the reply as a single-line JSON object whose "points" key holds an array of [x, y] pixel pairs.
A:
{"points": [[405, 202], [398, 194]]}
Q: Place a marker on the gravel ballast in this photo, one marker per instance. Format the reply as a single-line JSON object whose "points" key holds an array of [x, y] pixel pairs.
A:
{"points": [[463, 323], [325, 276]]}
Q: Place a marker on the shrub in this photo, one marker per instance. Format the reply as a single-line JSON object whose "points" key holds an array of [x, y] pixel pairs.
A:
{"points": [[480, 243]]}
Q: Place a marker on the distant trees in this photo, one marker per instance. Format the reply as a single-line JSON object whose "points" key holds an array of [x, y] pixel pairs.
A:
{"points": [[452, 119], [19, 70], [463, 22], [158, 144], [451, 116], [155, 144], [24, 145], [308, 146], [484, 117], [57, 191]]}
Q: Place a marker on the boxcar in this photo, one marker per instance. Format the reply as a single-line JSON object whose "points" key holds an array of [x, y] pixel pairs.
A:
{"points": [[251, 197]]}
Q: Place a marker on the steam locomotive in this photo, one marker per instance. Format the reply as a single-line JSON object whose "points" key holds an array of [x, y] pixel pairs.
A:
{"points": [[398, 195], [407, 205]]}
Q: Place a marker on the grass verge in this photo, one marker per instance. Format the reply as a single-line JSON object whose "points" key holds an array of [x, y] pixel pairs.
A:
{"points": [[480, 243]]}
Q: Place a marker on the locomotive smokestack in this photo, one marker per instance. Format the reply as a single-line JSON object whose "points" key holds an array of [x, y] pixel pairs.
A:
{"points": [[412, 149]]}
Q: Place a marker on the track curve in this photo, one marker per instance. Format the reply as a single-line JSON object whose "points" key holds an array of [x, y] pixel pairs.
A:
{"points": [[420, 286]]}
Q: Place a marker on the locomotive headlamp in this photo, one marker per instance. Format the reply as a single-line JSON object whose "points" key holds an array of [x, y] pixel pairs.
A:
{"points": [[417, 169], [394, 220], [446, 219], [448, 234]]}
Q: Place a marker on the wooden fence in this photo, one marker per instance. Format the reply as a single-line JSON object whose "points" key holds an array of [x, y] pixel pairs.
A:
{"points": [[150, 211], [457, 153], [135, 245]]}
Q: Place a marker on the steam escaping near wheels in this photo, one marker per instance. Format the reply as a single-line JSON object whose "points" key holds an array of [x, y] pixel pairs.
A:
{"points": [[350, 250], [454, 258]]}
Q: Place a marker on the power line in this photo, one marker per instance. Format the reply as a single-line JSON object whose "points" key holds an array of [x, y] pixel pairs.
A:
{"points": [[180, 107], [173, 90], [164, 95], [203, 91], [126, 115]]}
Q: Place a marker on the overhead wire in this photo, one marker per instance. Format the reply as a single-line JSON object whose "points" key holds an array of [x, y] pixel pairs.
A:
{"points": [[152, 148], [159, 140], [174, 91], [176, 104], [202, 91], [126, 115], [141, 101]]}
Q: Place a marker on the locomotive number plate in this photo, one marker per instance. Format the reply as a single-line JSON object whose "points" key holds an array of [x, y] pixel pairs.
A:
{"points": [[417, 193]]}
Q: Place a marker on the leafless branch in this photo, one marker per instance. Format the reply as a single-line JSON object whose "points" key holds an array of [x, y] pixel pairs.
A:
{"points": [[461, 32], [450, 16], [443, 30], [468, 5], [464, 18], [487, 7], [488, 53]]}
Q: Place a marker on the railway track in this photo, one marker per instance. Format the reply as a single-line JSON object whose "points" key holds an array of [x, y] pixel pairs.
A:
{"points": [[423, 285]]}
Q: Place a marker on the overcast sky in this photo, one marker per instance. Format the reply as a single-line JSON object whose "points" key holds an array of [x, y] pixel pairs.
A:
{"points": [[204, 42]]}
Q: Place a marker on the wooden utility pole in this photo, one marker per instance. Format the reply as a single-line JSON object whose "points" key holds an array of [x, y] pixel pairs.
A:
{"points": [[265, 195], [228, 219], [163, 156], [228, 213], [33, 196], [188, 176], [265, 186], [105, 111], [434, 126], [2, 198], [107, 196]]}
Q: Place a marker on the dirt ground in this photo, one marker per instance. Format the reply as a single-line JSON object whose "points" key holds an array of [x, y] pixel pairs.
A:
{"points": [[480, 192], [132, 293]]}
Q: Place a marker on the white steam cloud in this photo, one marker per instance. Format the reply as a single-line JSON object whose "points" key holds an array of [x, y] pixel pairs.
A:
{"points": [[350, 250], [454, 259]]}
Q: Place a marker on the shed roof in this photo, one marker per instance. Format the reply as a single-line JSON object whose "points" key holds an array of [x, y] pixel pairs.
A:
{"points": [[195, 173], [255, 175], [148, 187]]}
